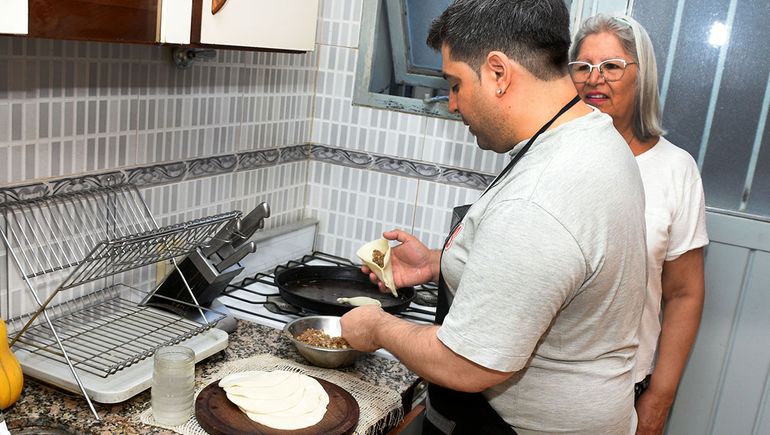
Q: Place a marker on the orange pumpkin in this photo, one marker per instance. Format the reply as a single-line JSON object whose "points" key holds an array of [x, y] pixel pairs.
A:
{"points": [[11, 376]]}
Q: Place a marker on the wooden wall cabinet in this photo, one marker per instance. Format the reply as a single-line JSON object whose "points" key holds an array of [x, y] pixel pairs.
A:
{"points": [[241, 24], [94, 20]]}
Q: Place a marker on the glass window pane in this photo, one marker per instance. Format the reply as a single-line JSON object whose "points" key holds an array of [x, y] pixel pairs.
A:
{"points": [[739, 106], [759, 199], [694, 65], [419, 15]]}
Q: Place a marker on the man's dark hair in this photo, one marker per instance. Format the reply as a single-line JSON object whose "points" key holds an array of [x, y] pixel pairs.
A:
{"points": [[534, 33]]}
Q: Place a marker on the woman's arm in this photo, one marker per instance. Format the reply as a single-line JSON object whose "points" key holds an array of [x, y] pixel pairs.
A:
{"points": [[683, 294]]}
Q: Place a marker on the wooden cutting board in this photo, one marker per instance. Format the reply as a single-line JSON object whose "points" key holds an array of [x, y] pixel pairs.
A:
{"points": [[219, 416]]}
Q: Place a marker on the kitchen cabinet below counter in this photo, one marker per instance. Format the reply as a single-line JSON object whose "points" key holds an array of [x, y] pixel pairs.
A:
{"points": [[46, 408]]}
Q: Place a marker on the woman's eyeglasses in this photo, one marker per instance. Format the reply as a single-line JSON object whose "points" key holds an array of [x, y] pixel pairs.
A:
{"points": [[611, 69]]}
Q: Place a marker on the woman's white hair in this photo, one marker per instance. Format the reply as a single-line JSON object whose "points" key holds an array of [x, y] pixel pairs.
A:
{"points": [[636, 42]]}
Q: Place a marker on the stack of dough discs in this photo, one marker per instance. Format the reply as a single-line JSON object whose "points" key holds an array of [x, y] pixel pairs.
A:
{"points": [[278, 399]]}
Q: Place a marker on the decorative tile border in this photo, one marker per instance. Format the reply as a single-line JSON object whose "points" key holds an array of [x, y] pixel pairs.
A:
{"points": [[340, 156], [258, 159], [459, 177], [294, 154], [69, 185], [403, 167], [173, 172], [211, 166], [30, 191], [158, 174]]}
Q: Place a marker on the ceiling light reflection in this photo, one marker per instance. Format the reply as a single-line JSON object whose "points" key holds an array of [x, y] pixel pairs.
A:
{"points": [[719, 34]]}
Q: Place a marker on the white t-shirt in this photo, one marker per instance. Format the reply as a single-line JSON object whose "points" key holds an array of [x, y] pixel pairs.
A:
{"points": [[676, 223], [548, 275]]}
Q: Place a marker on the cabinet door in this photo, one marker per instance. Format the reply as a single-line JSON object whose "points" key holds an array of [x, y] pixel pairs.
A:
{"points": [[13, 16], [277, 24], [95, 20], [175, 21]]}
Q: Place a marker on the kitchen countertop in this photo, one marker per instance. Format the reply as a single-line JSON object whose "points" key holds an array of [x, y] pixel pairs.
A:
{"points": [[42, 406]]}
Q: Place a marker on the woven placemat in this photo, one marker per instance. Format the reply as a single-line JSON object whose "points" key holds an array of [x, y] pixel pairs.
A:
{"points": [[380, 407]]}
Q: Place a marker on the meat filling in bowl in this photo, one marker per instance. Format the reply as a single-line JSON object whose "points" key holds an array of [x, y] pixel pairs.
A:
{"points": [[316, 337]]}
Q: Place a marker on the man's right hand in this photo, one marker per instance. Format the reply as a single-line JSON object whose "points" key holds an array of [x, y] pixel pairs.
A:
{"points": [[411, 261]]}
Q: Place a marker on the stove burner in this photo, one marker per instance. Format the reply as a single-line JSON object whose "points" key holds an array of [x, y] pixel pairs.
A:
{"points": [[257, 298], [426, 297], [276, 304]]}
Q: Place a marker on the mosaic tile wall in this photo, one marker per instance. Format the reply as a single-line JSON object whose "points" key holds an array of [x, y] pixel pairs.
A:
{"points": [[228, 133], [224, 134], [405, 171]]}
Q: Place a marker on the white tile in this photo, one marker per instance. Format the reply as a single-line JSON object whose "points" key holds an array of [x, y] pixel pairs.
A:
{"points": [[448, 142], [339, 22], [354, 206], [339, 123], [5, 123], [433, 213]]}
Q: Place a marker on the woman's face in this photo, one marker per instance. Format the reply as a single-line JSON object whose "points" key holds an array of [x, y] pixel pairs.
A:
{"points": [[615, 98]]}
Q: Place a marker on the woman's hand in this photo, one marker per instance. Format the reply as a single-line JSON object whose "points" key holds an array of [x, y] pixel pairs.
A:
{"points": [[652, 411], [411, 261]]}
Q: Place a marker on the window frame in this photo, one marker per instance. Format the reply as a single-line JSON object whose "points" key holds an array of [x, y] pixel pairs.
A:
{"points": [[404, 71], [435, 107]]}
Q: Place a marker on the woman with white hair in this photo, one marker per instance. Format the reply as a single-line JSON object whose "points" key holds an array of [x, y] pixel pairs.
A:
{"points": [[613, 68]]}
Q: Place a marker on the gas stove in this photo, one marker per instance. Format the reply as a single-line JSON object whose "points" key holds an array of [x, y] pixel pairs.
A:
{"points": [[257, 299]]}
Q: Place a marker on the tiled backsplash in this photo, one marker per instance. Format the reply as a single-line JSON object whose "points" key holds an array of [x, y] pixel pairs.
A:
{"points": [[72, 107], [219, 136], [230, 132], [430, 165]]}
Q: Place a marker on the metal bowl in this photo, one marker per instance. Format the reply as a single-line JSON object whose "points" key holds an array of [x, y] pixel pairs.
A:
{"points": [[320, 356]]}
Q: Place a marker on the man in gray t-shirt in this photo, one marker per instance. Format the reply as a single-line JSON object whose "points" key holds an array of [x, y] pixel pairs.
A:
{"points": [[546, 272]]}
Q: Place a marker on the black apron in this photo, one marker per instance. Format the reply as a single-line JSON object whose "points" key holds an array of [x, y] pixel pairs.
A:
{"points": [[455, 412]]}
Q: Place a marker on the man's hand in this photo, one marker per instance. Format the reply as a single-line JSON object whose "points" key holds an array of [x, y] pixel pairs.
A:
{"points": [[359, 327], [369, 328], [411, 261]]}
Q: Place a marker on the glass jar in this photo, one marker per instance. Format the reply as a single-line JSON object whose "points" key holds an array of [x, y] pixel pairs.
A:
{"points": [[173, 385]]}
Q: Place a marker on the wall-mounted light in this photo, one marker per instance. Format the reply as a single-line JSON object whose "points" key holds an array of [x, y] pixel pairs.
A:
{"points": [[719, 34]]}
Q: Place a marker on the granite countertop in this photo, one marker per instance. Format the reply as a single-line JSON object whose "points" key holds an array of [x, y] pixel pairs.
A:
{"points": [[42, 406]]}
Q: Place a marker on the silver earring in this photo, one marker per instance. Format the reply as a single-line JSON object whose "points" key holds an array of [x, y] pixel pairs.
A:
{"points": [[499, 91]]}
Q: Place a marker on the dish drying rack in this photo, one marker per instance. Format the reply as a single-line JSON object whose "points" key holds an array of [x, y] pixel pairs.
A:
{"points": [[104, 338]]}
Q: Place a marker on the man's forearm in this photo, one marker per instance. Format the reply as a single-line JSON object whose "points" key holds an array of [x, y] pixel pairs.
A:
{"points": [[418, 347]]}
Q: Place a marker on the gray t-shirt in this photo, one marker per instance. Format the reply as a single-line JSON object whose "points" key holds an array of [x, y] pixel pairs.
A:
{"points": [[548, 276]]}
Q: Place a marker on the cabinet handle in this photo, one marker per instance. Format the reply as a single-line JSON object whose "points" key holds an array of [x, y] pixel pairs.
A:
{"points": [[216, 5]]}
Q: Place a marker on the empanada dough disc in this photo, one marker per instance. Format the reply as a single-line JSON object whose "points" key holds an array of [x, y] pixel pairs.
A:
{"points": [[279, 399]]}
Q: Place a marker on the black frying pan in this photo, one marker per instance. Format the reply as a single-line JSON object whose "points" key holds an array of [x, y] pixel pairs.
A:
{"points": [[316, 288]]}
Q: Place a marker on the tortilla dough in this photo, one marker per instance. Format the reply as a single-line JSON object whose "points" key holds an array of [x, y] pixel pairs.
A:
{"points": [[257, 379], [385, 274], [359, 301], [279, 399]]}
